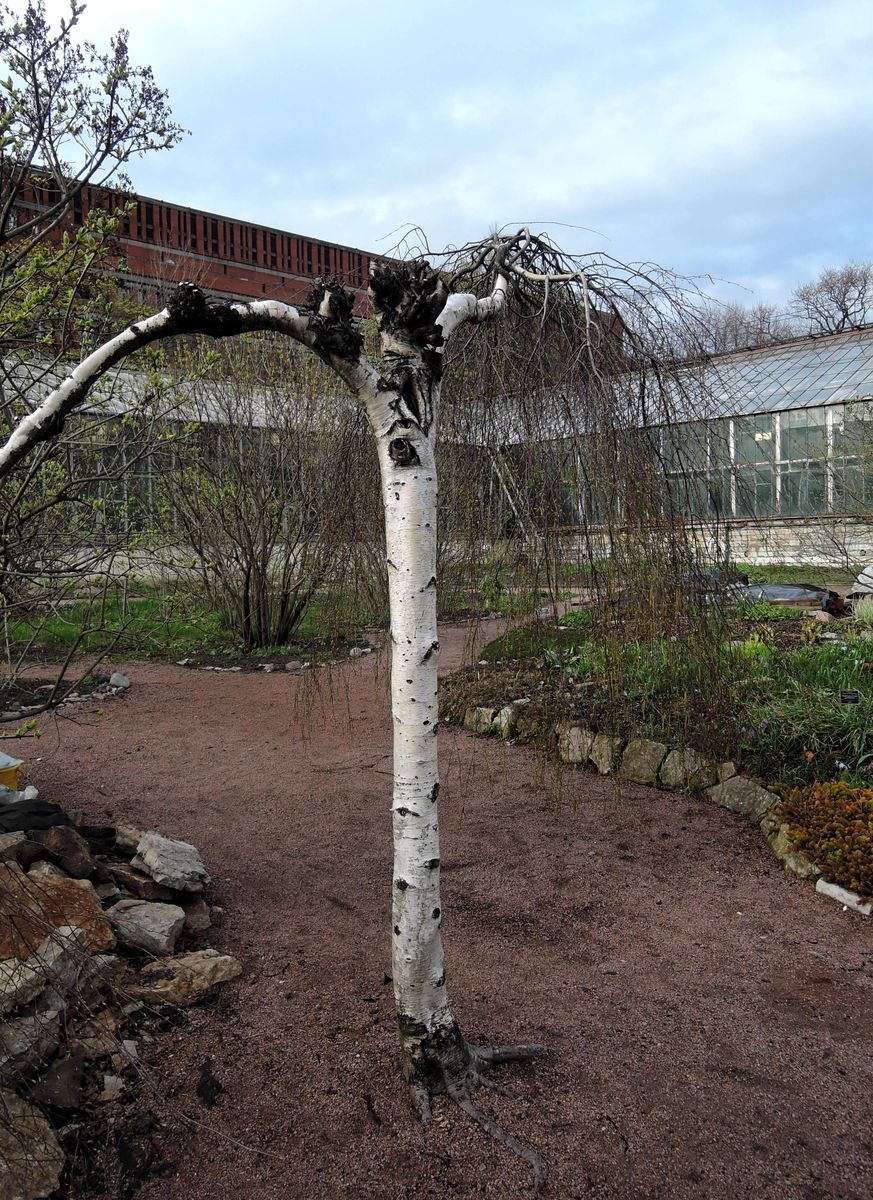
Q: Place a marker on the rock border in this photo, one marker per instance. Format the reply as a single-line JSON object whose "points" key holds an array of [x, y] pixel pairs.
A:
{"points": [[673, 768]]}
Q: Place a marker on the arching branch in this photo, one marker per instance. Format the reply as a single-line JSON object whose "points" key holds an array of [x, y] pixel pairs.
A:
{"points": [[327, 330]]}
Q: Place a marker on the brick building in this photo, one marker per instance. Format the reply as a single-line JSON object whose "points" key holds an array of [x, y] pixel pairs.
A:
{"points": [[165, 243]]}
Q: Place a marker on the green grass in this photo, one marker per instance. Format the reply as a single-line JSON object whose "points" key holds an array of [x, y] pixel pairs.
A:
{"points": [[140, 627], [797, 573]]}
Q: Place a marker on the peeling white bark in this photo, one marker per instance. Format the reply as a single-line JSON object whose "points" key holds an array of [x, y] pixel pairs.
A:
{"points": [[410, 495]]}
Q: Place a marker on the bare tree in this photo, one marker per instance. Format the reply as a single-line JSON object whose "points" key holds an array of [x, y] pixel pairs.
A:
{"points": [[840, 299], [70, 118], [727, 327], [260, 487], [589, 323]]}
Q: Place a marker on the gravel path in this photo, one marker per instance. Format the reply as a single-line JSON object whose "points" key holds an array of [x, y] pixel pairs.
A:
{"points": [[708, 1019]]}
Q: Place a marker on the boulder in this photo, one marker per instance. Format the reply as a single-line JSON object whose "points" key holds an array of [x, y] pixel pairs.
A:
{"points": [[137, 883], [31, 1160], [605, 752], [197, 918], [843, 896], [61, 1086], [173, 863], [9, 844], [67, 848], [479, 720], [118, 680], [794, 860], [60, 962], [147, 925], [507, 719], [574, 743], [31, 908], [127, 838], [43, 869], [726, 771], [184, 979], [26, 1043], [641, 760], [687, 769], [743, 796]]}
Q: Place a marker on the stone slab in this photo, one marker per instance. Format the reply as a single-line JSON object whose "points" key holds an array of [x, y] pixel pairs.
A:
{"points": [[641, 761]]}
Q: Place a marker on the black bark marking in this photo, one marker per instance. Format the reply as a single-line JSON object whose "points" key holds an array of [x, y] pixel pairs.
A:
{"points": [[435, 793], [441, 981], [436, 913], [401, 884], [192, 312], [330, 307], [397, 930], [432, 649], [405, 812], [432, 864], [403, 453]]}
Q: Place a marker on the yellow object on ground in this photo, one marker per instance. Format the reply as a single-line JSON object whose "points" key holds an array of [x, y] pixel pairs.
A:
{"points": [[11, 770]]}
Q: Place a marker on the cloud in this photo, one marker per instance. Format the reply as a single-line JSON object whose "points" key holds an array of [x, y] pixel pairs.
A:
{"points": [[723, 137]]}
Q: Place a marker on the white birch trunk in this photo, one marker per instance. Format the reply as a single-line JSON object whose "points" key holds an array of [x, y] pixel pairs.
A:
{"points": [[431, 1041]]}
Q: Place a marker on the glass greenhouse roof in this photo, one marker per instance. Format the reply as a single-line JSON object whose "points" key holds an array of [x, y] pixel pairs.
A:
{"points": [[808, 373]]}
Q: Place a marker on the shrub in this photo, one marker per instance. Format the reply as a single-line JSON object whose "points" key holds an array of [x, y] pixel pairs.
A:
{"points": [[833, 824]]}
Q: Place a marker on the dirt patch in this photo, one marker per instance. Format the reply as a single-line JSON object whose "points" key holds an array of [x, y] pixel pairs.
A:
{"points": [[649, 941]]}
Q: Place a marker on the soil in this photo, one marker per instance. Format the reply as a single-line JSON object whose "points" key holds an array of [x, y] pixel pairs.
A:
{"points": [[706, 1017]]}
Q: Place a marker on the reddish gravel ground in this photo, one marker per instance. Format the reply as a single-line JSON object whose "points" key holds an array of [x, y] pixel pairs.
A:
{"points": [[707, 1018]]}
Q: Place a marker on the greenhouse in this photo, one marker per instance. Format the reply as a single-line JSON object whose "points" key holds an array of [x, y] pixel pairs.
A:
{"points": [[787, 432]]}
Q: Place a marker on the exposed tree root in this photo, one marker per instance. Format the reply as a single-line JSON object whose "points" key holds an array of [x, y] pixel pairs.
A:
{"points": [[460, 1088]]}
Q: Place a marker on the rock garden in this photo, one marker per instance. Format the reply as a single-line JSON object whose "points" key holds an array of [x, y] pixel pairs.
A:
{"points": [[104, 934], [771, 716]]}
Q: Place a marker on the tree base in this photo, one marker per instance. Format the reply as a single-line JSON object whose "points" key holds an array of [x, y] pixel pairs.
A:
{"points": [[459, 1079]]}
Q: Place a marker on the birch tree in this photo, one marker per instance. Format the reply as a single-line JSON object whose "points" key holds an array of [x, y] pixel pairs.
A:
{"points": [[589, 316]]}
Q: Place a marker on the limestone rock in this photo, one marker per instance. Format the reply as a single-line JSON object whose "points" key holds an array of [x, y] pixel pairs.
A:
{"points": [[197, 918], [742, 796], [60, 961], [44, 868], [127, 838], [173, 863], [687, 769], [726, 771], [574, 743], [785, 848], [844, 896], [770, 823], [32, 908], [26, 1043], [67, 848], [641, 760], [113, 1086], [605, 751], [147, 925], [507, 719], [184, 979], [138, 883], [31, 1160], [118, 680], [478, 720]]}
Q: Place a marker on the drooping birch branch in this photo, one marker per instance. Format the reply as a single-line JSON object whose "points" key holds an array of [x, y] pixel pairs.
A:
{"points": [[188, 311]]}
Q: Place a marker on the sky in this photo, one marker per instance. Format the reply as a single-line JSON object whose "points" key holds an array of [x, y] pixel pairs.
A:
{"points": [[727, 138]]}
